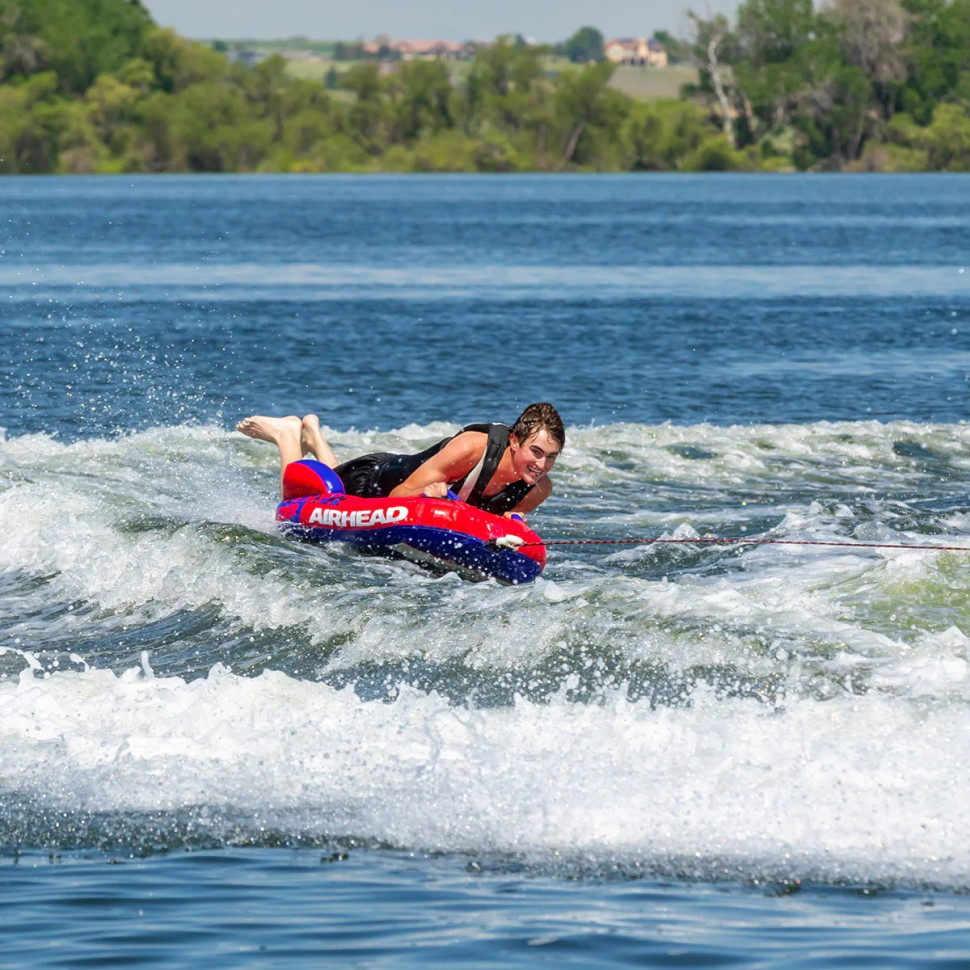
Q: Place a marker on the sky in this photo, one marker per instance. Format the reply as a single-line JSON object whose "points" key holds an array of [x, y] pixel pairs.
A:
{"points": [[544, 21]]}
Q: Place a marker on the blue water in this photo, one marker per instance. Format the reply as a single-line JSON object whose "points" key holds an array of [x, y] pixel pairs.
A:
{"points": [[216, 745]]}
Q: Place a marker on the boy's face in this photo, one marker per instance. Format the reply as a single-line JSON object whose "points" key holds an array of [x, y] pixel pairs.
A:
{"points": [[535, 456]]}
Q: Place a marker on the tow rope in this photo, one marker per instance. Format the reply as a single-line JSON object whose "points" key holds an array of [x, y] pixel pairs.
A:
{"points": [[717, 541]]}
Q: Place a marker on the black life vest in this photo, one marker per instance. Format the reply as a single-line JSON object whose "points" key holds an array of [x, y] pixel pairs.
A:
{"points": [[470, 488]]}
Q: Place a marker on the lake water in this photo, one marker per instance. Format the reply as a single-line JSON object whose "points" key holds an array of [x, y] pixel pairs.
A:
{"points": [[219, 747]]}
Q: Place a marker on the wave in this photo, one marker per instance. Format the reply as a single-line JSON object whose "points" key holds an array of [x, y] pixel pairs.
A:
{"points": [[852, 789], [172, 669]]}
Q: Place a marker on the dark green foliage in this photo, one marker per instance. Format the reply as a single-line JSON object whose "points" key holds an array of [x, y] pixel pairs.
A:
{"points": [[585, 45], [830, 80], [939, 56], [587, 114], [95, 86], [76, 39]]}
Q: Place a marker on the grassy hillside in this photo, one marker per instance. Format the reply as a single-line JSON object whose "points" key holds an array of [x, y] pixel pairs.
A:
{"points": [[653, 83], [640, 83]]}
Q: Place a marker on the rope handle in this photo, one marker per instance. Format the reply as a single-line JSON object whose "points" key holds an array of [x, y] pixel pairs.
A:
{"points": [[510, 542]]}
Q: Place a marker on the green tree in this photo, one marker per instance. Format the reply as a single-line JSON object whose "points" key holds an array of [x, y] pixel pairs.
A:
{"points": [[776, 48], [871, 36], [660, 136], [938, 56], [76, 39], [588, 114], [267, 88], [137, 73], [772, 31], [214, 131], [838, 120], [502, 89], [421, 93], [178, 63], [109, 107], [947, 139], [32, 119], [366, 118], [585, 45]]}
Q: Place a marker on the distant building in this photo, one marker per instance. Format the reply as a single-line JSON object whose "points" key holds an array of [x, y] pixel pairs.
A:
{"points": [[431, 50], [636, 50], [247, 57]]}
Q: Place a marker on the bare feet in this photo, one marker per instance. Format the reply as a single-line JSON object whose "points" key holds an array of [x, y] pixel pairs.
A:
{"points": [[313, 441], [269, 429], [282, 432]]}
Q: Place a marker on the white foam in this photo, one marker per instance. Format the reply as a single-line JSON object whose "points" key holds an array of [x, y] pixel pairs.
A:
{"points": [[784, 704], [859, 784]]}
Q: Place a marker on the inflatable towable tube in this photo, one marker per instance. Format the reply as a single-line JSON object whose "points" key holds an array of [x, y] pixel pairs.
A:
{"points": [[444, 534]]}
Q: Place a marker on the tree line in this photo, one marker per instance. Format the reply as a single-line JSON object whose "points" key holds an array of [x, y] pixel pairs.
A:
{"points": [[96, 86], [853, 84]]}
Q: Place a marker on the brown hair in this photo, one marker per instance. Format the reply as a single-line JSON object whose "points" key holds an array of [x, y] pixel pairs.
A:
{"points": [[539, 417]]}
